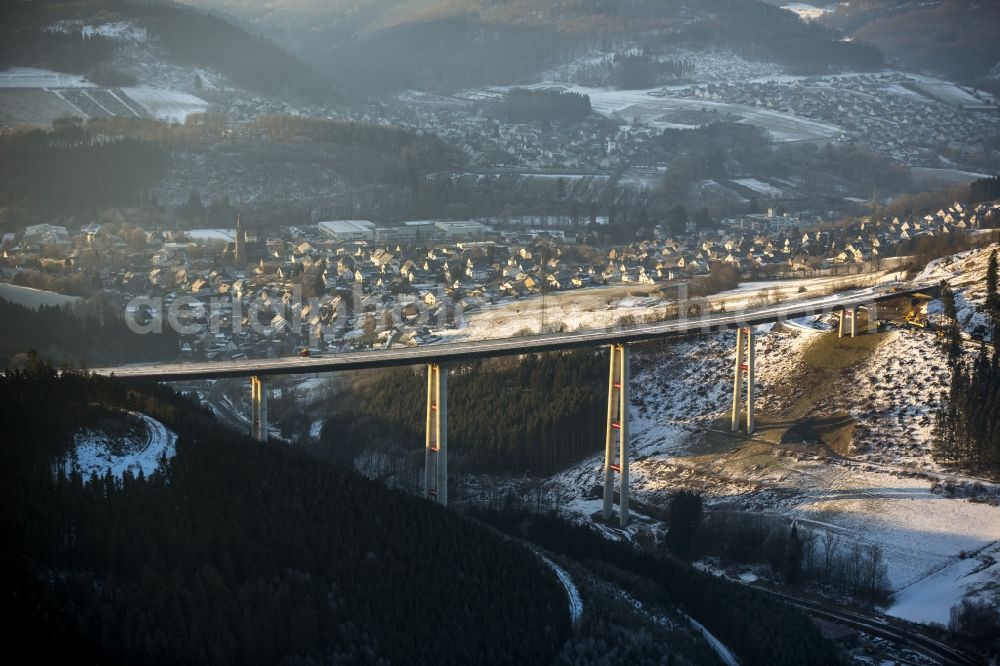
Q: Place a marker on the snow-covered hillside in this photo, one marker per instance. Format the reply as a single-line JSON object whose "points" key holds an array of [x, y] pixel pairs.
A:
{"points": [[858, 464], [966, 274], [807, 12], [163, 90], [33, 77], [168, 105]]}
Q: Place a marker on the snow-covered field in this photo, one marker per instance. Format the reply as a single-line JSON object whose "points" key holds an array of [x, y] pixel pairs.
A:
{"points": [[944, 91], [98, 452], [38, 96], [931, 599], [34, 298], [167, 104], [760, 187], [31, 77], [650, 105]]}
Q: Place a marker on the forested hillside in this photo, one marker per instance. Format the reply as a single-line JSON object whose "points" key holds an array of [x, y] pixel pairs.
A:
{"points": [[71, 169], [251, 61], [541, 413], [61, 51], [968, 419], [91, 335], [81, 169], [242, 553], [400, 44], [520, 105], [956, 38], [187, 35], [758, 628]]}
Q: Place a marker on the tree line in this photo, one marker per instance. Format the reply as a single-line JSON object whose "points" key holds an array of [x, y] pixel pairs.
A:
{"points": [[68, 51], [984, 189], [198, 38], [67, 168], [967, 423], [91, 334], [794, 554], [521, 105], [414, 150], [190, 36], [636, 71], [237, 552]]}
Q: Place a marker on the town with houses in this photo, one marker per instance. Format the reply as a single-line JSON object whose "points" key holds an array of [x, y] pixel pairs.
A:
{"points": [[348, 284], [909, 118], [914, 120]]}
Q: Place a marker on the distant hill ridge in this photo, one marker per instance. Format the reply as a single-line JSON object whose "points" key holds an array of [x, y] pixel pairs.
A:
{"points": [[387, 45], [190, 36], [956, 38]]}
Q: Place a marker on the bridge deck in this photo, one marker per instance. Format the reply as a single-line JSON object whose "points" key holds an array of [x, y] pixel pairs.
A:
{"points": [[475, 349]]}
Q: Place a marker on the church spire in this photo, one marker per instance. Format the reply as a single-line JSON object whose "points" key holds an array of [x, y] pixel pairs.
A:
{"points": [[240, 252]]}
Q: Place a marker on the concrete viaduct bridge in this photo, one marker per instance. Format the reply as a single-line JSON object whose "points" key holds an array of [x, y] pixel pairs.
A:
{"points": [[437, 358]]}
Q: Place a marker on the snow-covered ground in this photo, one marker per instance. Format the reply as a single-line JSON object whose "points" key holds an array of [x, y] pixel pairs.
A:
{"points": [[725, 654], [313, 389], [38, 96], [649, 106], [96, 452], [920, 532], [805, 11], [114, 30], [676, 399], [572, 593], [886, 489], [760, 187], [931, 599], [944, 91], [34, 298], [32, 77], [167, 104], [966, 274]]}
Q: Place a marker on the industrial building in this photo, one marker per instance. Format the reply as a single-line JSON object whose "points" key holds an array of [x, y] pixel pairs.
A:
{"points": [[348, 230]]}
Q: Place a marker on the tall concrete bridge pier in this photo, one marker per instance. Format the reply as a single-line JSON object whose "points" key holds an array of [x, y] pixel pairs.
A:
{"points": [[743, 379], [436, 435], [616, 433], [258, 409]]}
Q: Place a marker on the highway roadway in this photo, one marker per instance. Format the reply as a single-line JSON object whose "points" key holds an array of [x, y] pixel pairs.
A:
{"points": [[475, 349]]}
